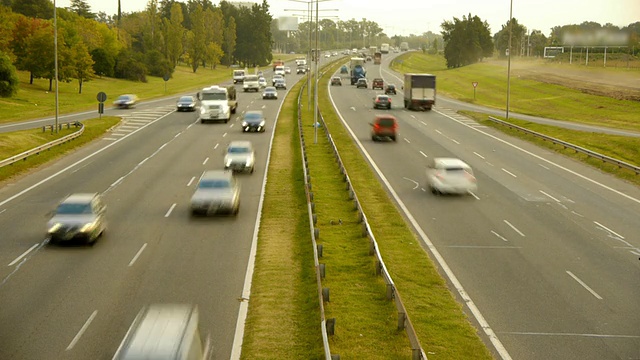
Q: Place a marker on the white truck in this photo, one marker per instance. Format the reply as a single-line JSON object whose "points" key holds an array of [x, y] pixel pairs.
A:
{"points": [[384, 48], [419, 91], [251, 83], [217, 103], [238, 76], [404, 46]]}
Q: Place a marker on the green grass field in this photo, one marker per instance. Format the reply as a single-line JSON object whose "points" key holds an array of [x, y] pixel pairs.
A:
{"points": [[527, 96]]}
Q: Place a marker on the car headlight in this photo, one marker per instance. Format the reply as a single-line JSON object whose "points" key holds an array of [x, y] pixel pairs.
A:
{"points": [[261, 123], [53, 228], [244, 124], [227, 162], [88, 227], [203, 110], [249, 161]]}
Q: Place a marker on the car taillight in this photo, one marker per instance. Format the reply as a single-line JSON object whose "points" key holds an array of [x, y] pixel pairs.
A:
{"points": [[470, 177], [376, 126], [377, 100]]}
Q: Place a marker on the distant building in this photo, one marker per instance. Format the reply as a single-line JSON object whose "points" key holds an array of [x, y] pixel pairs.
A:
{"points": [[240, 4]]}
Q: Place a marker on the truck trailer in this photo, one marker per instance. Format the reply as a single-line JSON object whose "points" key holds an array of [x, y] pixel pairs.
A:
{"points": [[377, 58], [419, 91], [356, 69]]}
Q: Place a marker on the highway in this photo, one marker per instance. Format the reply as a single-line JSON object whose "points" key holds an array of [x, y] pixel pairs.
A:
{"points": [[546, 250], [77, 302]]}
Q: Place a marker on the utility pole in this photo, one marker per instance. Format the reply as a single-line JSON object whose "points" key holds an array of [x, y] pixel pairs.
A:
{"points": [[509, 57], [55, 57]]}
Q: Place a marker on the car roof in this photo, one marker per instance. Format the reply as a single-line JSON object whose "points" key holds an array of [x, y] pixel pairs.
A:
{"points": [[216, 174], [254, 112], [362, 79], [240, 143], [270, 88], [80, 198], [450, 162]]}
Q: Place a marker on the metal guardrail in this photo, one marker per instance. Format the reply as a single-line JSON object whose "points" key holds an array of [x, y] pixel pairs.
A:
{"points": [[567, 145], [392, 293], [37, 150]]}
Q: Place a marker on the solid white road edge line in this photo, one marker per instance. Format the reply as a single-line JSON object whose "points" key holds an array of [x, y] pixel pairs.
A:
{"points": [[609, 230], [24, 254], [502, 351], [514, 228], [133, 261], [82, 330], [584, 285]]}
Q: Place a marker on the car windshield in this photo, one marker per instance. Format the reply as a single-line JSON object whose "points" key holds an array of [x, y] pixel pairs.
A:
{"points": [[238, 150], [214, 184], [252, 116], [212, 107], [386, 122], [186, 99], [74, 208], [213, 96], [383, 98], [123, 97]]}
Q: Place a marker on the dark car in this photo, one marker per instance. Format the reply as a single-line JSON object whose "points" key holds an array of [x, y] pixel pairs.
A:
{"points": [[126, 101], [382, 102], [390, 89], [336, 81], [378, 83], [384, 126], [362, 83], [344, 69], [186, 103], [270, 92], [253, 121]]}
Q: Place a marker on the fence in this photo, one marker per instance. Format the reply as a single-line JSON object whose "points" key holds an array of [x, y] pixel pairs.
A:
{"points": [[37, 150], [567, 145], [392, 293]]}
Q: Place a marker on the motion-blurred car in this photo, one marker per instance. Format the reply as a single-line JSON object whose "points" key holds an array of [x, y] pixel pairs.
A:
{"points": [[80, 216], [127, 101], [390, 89], [450, 176], [301, 69], [368, 58], [262, 82], [240, 156], [344, 69], [280, 84], [270, 92], [336, 81], [186, 103], [382, 102], [384, 126], [362, 83], [378, 83], [253, 121], [287, 70], [218, 192], [274, 78]]}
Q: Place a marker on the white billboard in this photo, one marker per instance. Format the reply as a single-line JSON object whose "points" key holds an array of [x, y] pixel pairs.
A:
{"points": [[287, 23]]}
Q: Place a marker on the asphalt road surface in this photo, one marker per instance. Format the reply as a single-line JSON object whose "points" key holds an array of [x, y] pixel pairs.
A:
{"points": [[545, 253], [77, 302]]}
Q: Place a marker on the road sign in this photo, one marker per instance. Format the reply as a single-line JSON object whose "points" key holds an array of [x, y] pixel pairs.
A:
{"points": [[166, 77], [475, 84], [101, 97]]}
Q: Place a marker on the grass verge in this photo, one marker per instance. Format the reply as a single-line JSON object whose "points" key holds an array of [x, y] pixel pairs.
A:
{"points": [[283, 319], [618, 147], [442, 327], [528, 96], [14, 143]]}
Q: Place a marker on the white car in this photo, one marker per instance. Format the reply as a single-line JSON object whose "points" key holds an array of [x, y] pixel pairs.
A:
{"points": [[262, 82], [240, 156], [450, 176], [287, 70]]}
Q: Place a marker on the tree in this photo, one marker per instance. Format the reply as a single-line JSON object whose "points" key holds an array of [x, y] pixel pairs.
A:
{"points": [[157, 64], [41, 9], [467, 41], [129, 66], [81, 64], [196, 38], [213, 54], [103, 62], [8, 77], [82, 8], [229, 46], [501, 39], [175, 34]]}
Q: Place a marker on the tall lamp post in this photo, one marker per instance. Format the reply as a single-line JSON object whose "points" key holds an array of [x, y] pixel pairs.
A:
{"points": [[509, 57], [55, 56]]}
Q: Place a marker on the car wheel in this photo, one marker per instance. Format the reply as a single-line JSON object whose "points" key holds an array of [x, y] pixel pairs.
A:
{"points": [[373, 138], [393, 138], [226, 121], [434, 191]]}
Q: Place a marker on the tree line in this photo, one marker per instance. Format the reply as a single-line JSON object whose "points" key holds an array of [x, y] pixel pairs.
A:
{"points": [[128, 45]]}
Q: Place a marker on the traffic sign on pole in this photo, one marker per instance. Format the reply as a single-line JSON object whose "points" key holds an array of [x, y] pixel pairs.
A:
{"points": [[475, 85]]}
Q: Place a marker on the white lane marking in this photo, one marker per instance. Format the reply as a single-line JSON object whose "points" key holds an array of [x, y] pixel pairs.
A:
{"points": [[544, 167], [571, 334], [80, 167], [264, 106], [178, 134], [551, 197], [474, 195], [514, 228], [24, 254], [109, 139], [143, 161], [609, 230], [413, 116], [584, 285], [483, 247], [423, 123], [353, 108], [478, 155], [499, 236], [230, 126], [575, 213], [82, 330], [133, 261], [407, 140], [413, 181], [117, 182], [225, 134], [215, 147], [116, 134], [635, 252], [189, 126], [502, 351], [438, 131], [423, 154], [124, 131], [191, 181], [170, 210], [205, 161], [3, 210], [455, 141], [508, 172]]}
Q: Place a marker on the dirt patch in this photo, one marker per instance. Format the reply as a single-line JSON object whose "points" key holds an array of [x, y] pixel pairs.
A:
{"points": [[615, 83]]}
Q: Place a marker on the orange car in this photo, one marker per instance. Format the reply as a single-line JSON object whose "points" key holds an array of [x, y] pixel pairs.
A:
{"points": [[384, 126]]}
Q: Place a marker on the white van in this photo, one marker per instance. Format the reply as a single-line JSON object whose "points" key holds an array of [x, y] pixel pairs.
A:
{"points": [[279, 70], [251, 83], [163, 332], [238, 76]]}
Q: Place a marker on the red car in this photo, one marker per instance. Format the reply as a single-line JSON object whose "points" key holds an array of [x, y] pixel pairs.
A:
{"points": [[384, 126], [378, 83]]}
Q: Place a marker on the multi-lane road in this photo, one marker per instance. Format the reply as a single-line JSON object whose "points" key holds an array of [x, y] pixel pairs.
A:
{"points": [[77, 302], [545, 253]]}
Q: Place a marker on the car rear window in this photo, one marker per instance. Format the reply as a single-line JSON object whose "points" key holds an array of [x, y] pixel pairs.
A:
{"points": [[70, 209], [214, 184], [238, 150], [386, 122]]}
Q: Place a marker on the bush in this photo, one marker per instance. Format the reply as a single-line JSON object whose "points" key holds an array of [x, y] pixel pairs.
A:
{"points": [[157, 64], [8, 77], [103, 62], [129, 66]]}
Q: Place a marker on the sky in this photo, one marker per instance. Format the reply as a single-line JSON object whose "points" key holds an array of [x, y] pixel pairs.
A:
{"points": [[404, 17]]}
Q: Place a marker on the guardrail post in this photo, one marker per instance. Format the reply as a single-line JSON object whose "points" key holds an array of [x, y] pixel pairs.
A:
{"points": [[416, 354], [325, 294], [335, 357], [365, 230], [316, 233], [401, 319], [389, 292], [372, 251], [322, 268], [319, 249], [331, 327]]}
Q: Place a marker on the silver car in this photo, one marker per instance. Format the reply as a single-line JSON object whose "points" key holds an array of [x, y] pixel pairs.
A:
{"points": [[218, 192], [450, 176], [78, 217], [240, 157]]}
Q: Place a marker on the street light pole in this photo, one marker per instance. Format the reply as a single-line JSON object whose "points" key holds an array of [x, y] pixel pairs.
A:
{"points": [[55, 56], [509, 57], [315, 106]]}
